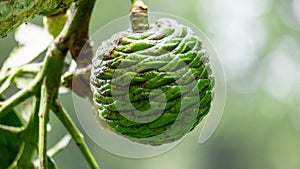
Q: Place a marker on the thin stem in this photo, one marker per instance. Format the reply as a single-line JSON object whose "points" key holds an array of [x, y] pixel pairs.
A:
{"points": [[32, 131], [43, 120], [16, 99], [7, 105], [26, 152], [139, 16], [63, 116], [78, 32], [29, 68], [61, 145], [58, 147], [11, 129]]}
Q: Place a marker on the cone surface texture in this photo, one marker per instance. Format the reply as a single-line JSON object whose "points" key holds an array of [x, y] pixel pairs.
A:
{"points": [[152, 87]]}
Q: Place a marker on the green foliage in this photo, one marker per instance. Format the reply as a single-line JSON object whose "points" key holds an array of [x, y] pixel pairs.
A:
{"points": [[14, 13], [9, 143], [51, 163]]}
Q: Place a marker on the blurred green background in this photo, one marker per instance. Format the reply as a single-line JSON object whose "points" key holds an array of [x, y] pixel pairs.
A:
{"points": [[258, 42]]}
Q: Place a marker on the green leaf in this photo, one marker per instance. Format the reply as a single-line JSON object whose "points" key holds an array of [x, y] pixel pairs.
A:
{"points": [[15, 12], [9, 143]]}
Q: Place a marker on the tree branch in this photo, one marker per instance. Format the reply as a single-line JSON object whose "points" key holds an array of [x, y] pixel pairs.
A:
{"points": [[52, 72], [139, 16], [16, 99], [79, 44], [63, 116], [45, 87], [43, 120], [79, 32]]}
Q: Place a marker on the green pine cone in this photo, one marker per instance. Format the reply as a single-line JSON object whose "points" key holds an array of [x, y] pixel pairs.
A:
{"points": [[129, 67]]}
